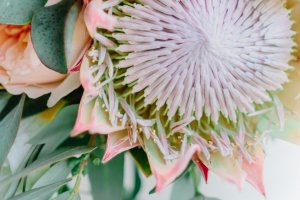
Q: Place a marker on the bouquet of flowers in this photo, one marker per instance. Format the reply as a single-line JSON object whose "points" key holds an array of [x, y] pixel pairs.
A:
{"points": [[183, 86]]}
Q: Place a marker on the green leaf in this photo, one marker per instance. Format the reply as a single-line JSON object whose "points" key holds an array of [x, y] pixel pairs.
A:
{"points": [[58, 130], [58, 172], [183, 189], [201, 197], [18, 11], [38, 193], [9, 128], [140, 158], [65, 196], [4, 97], [51, 33], [59, 155], [107, 179], [130, 195]]}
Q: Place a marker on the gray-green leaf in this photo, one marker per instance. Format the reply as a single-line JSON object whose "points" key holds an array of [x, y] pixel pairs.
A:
{"points": [[56, 173], [65, 196], [183, 189], [51, 32], [59, 155], [9, 128], [38, 193], [107, 179], [58, 130], [18, 11]]}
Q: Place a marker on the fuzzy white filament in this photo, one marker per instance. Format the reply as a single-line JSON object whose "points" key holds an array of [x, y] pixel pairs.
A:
{"points": [[206, 56]]}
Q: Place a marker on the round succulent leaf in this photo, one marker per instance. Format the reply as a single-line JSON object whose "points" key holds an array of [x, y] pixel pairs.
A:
{"points": [[19, 11], [52, 31]]}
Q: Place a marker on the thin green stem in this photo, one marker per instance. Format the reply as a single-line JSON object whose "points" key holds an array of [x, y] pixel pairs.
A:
{"points": [[196, 180], [75, 190], [82, 165]]}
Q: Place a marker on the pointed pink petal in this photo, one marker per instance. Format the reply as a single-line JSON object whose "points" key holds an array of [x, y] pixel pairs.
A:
{"points": [[100, 123], [117, 143], [226, 167], [164, 172], [204, 170], [93, 118], [86, 78], [95, 17], [84, 116], [255, 171]]}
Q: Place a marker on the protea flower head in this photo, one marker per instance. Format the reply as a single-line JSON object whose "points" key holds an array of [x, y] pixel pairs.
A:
{"points": [[187, 79]]}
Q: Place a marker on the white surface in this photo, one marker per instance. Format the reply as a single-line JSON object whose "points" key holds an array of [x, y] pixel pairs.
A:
{"points": [[282, 179]]}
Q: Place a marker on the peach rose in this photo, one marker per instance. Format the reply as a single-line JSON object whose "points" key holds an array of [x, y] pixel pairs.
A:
{"points": [[21, 71], [20, 68]]}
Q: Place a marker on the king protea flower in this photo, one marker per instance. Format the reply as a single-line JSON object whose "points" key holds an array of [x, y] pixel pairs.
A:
{"points": [[187, 79]]}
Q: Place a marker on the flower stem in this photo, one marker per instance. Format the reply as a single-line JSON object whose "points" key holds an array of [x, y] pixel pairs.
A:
{"points": [[196, 180], [82, 165], [75, 190]]}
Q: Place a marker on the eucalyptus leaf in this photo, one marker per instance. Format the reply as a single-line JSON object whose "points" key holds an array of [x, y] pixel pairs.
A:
{"points": [[183, 188], [65, 196], [59, 155], [107, 179], [15, 184], [203, 198], [51, 32], [56, 173], [4, 97], [130, 195], [9, 128], [58, 130], [38, 193], [18, 11]]}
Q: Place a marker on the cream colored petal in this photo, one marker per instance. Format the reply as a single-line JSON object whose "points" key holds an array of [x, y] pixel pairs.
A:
{"points": [[289, 95], [295, 6], [70, 84], [81, 42]]}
